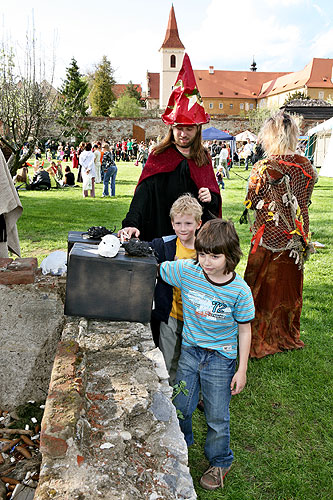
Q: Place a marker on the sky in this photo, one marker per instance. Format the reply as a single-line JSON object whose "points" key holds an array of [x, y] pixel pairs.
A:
{"points": [[281, 35]]}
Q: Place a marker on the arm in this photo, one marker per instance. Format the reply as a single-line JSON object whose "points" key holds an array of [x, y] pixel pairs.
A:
{"points": [[239, 379]]}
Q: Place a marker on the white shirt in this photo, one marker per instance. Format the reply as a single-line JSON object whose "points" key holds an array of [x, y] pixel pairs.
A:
{"points": [[87, 161]]}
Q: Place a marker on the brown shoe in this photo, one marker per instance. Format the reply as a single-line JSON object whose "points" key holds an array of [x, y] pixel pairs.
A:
{"points": [[213, 477]]}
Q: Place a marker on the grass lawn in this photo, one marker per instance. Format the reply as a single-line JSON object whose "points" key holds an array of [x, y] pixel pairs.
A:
{"points": [[281, 424]]}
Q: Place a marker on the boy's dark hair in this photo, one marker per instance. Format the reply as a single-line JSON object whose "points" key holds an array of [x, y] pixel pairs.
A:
{"points": [[219, 236]]}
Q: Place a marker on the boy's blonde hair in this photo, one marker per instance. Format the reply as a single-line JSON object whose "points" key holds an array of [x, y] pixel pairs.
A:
{"points": [[186, 205]]}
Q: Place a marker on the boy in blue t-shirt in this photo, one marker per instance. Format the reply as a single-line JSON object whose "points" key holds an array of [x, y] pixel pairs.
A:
{"points": [[217, 309]]}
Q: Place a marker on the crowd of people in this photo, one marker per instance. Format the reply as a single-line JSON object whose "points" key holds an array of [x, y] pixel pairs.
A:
{"points": [[89, 163]]}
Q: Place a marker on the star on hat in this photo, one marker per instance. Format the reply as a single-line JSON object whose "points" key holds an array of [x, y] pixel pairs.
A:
{"points": [[185, 106]]}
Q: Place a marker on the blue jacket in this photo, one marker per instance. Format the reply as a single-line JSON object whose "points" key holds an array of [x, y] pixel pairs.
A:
{"points": [[165, 249]]}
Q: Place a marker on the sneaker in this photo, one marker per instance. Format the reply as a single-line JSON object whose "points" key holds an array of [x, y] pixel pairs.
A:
{"points": [[213, 477]]}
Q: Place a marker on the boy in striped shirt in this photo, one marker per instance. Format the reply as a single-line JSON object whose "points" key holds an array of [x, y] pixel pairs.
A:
{"points": [[217, 310]]}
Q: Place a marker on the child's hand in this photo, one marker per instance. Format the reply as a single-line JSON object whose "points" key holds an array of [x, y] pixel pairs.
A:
{"points": [[238, 382]]}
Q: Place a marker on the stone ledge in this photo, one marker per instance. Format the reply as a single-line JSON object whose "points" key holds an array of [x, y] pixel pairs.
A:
{"points": [[109, 429]]}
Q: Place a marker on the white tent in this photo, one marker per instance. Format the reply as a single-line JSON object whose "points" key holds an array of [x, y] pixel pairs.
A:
{"points": [[323, 154], [243, 136]]}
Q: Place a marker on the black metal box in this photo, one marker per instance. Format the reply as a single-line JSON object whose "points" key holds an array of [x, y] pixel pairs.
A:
{"points": [[80, 237], [119, 288]]}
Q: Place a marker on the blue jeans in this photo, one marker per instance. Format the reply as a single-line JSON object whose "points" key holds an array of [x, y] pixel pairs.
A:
{"points": [[110, 176], [211, 372]]}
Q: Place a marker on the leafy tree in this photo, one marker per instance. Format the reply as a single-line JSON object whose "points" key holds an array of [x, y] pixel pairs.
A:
{"points": [[101, 95], [258, 116], [298, 94], [73, 102], [127, 107], [133, 91], [27, 103]]}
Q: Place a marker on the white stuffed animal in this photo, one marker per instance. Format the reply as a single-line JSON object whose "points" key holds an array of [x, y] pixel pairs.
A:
{"points": [[109, 246]]}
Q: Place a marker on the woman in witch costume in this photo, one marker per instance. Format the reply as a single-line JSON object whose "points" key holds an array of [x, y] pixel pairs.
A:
{"points": [[178, 164], [279, 192]]}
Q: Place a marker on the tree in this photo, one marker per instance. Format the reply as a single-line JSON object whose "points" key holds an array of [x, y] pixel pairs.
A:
{"points": [[133, 91], [27, 103], [298, 94], [258, 116], [73, 103], [127, 107], [101, 95]]}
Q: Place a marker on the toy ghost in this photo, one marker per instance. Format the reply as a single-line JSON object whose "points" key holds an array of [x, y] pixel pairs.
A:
{"points": [[109, 246]]}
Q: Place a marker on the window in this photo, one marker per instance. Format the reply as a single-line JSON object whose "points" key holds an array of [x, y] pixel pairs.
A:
{"points": [[241, 106], [172, 61], [221, 105], [231, 105], [211, 105], [251, 106], [321, 94]]}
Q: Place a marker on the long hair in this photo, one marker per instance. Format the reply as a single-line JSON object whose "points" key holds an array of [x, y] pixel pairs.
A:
{"points": [[197, 152], [279, 134]]}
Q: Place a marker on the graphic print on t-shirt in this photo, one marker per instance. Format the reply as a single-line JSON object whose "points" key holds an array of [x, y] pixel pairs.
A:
{"points": [[212, 309]]}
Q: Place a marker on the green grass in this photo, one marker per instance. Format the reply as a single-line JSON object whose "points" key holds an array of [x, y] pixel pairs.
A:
{"points": [[281, 424]]}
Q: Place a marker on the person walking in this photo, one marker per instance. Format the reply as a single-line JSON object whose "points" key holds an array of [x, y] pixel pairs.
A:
{"points": [[110, 172]]}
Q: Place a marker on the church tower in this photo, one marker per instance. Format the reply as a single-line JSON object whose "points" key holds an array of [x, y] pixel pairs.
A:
{"points": [[172, 52]]}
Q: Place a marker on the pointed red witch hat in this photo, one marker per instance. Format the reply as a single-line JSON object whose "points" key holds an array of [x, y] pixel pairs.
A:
{"points": [[185, 106]]}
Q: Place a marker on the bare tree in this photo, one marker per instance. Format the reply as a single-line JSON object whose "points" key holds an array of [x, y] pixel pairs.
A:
{"points": [[27, 102]]}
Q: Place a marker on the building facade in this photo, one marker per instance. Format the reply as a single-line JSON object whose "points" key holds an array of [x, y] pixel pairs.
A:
{"points": [[235, 93]]}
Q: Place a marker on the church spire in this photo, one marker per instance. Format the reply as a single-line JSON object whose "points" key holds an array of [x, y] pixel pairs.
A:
{"points": [[253, 66], [172, 40]]}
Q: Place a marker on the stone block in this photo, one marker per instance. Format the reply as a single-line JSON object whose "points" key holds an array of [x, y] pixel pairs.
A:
{"points": [[4, 263], [19, 271], [30, 326], [52, 446]]}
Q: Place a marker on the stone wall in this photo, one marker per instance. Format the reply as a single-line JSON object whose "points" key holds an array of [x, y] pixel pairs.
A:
{"points": [[122, 128], [116, 128], [31, 321], [109, 429]]}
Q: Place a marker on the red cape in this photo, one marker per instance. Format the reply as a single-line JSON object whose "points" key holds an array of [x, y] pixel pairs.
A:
{"points": [[169, 160]]}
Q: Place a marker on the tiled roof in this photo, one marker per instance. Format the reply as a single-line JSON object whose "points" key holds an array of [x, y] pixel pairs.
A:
{"points": [[255, 84], [153, 82], [317, 73], [119, 88], [232, 84], [172, 40]]}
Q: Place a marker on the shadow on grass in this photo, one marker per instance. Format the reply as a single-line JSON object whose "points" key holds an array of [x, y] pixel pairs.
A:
{"points": [[125, 183]]}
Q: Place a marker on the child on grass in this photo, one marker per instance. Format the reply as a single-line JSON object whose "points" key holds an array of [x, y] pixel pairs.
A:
{"points": [[218, 308], [219, 176], [185, 215]]}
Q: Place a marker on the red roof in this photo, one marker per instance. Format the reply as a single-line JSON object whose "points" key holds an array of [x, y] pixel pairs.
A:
{"points": [[119, 88], [317, 73], [153, 83], [172, 40], [232, 84]]}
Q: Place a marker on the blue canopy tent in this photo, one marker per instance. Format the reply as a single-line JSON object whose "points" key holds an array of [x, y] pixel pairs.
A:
{"points": [[212, 133]]}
